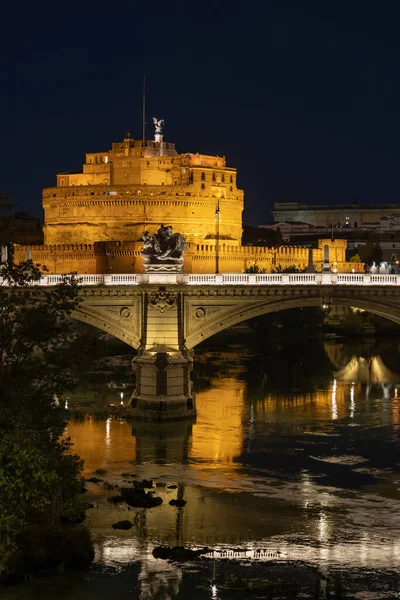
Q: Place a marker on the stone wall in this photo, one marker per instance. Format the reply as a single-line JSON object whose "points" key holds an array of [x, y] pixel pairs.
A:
{"points": [[124, 257], [99, 213]]}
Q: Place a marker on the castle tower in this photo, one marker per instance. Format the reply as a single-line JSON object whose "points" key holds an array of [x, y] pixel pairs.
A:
{"points": [[138, 185]]}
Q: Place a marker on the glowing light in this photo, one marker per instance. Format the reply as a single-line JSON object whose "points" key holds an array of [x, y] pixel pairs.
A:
{"points": [[334, 410], [214, 591], [108, 431], [322, 527], [352, 403], [66, 405]]}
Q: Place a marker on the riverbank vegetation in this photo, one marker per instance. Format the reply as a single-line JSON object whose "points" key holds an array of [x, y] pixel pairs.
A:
{"points": [[42, 505]]}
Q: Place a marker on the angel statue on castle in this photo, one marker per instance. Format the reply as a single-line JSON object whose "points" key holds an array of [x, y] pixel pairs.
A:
{"points": [[158, 124]]}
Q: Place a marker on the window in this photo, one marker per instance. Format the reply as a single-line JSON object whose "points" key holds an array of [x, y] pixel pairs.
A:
{"points": [[188, 194], [203, 187], [91, 160], [203, 176], [62, 182], [355, 224], [231, 179], [231, 189], [223, 177], [106, 159], [213, 176]]}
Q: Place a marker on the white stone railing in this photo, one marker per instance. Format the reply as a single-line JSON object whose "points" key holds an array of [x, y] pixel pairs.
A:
{"points": [[229, 279]]}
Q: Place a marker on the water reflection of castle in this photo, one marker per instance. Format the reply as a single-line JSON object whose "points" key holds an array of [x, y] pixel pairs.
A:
{"points": [[227, 412], [208, 457]]}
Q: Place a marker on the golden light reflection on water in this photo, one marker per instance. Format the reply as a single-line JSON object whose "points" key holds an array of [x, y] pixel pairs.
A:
{"points": [[218, 433], [102, 443]]}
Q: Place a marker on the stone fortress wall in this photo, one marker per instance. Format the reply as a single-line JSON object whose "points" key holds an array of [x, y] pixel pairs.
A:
{"points": [[124, 257]]}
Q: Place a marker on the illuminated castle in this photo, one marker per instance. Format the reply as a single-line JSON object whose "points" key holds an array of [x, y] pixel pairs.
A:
{"points": [[94, 220], [137, 186]]}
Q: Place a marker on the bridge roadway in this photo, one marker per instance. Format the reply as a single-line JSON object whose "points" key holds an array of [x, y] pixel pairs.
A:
{"points": [[164, 316]]}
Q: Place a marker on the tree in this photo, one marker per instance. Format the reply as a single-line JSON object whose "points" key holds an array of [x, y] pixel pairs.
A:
{"points": [[7, 220], [40, 480], [289, 269], [254, 268], [370, 252]]}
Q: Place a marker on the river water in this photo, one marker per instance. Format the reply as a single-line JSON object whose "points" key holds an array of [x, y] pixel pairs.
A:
{"points": [[294, 455]]}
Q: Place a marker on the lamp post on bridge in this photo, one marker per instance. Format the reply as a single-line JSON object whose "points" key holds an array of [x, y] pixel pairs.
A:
{"points": [[217, 217]]}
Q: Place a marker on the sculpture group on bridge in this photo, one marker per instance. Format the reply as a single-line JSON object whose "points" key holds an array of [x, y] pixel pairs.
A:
{"points": [[163, 248], [383, 268]]}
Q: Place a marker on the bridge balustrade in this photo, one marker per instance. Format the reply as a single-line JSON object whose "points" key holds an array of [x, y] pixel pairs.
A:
{"points": [[121, 279], [229, 279], [351, 278], [385, 279]]}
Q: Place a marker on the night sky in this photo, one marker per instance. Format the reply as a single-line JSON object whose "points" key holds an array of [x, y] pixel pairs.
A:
{"points": [[302, 97]]}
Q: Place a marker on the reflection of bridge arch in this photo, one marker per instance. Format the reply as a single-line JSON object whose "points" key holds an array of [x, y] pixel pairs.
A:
{"points": [[226, 313]]}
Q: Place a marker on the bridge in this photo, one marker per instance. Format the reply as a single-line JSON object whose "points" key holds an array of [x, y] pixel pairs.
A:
{"points": [[165, 315]]}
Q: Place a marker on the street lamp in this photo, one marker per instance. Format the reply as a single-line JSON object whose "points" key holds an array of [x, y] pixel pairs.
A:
{"points": [[217, 215]]}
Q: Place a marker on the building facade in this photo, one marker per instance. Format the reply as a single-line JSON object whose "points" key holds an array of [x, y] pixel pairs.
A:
{"points": [[352, 216]]}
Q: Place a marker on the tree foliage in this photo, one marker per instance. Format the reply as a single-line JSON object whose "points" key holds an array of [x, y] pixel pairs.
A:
{"points": [[40, 483], [370, 252]]}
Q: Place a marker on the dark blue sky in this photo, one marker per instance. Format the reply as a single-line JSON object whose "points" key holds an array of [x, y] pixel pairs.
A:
{"points": [[302, 97]]}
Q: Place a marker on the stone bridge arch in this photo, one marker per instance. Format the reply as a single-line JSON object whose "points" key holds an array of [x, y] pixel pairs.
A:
{"points": [[207, 316], [117, 314]]}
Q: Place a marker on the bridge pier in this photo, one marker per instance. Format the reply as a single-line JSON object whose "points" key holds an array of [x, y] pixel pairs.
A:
{"points": [[163, 386]]}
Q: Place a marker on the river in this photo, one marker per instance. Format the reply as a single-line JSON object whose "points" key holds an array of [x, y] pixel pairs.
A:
{"points": [[288, 459]]}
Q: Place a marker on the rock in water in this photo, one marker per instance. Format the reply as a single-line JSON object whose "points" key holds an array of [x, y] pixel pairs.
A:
{"points": [[138, 498], [179, 502], [122, 525]]}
